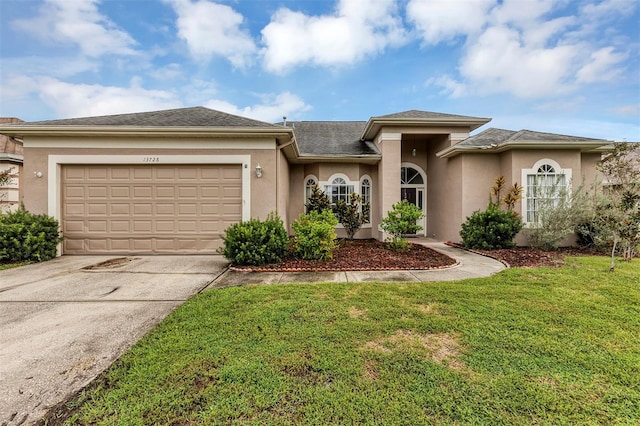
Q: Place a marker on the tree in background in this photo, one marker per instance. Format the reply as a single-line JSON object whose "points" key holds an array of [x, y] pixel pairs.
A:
{"points": [[617, 211]]}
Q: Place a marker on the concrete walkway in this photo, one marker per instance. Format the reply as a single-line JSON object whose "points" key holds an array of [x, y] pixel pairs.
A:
{"points": [[470, 265]]}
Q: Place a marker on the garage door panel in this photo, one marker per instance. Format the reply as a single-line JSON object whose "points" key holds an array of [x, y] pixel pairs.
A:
{"points": [[97, 173], [75, 192], [143, 192], [138, 209], [165, 192], [141, 209], [120, 209], [120, 226], [120, 192]]}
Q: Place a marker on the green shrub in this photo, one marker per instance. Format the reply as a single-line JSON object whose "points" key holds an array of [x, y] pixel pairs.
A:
{"points": [[400, 221], [315, 235], [255, 242], [491, 229], [351, 215], [28, 237]]}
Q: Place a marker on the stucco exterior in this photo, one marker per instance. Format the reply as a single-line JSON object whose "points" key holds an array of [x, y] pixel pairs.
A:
{"points": [[456, 169]]}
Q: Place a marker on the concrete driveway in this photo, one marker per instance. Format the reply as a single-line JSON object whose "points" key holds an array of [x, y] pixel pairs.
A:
{"points": [[64, 321]]}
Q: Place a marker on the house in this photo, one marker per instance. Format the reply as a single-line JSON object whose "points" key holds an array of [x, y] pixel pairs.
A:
{"points": [[172, 181], [10, 159]]}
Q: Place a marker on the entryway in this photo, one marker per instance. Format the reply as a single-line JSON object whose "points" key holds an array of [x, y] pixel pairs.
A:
{"points": [[413, 189]]}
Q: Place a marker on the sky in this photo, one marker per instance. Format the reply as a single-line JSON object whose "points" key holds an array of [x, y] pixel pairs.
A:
{"points": [[561, 66]]}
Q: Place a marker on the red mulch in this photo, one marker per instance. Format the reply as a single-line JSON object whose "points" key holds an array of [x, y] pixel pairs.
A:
{"points": [[363, 255], [529, 257], [372, 255]]}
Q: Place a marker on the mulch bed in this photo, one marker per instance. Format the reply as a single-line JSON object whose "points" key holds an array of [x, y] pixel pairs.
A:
{"points": [[528, 257], [372, 255], [362, 255]]}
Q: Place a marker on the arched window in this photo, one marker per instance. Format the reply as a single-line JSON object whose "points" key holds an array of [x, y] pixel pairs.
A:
{"points": [[338, 189], [410, 176], [365, 193], [546, 188]]}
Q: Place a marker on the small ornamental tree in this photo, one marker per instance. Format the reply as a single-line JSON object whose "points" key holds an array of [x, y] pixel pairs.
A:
{"points": [[318, 200], [401, 220], [351, 215]]}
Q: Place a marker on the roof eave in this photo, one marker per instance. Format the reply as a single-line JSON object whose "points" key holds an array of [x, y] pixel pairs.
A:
{"points": [[583, 146], [374, 124], [282, 134], [337, 158]]}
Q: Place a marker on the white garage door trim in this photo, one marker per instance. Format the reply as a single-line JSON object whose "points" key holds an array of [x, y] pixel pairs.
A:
{"points": [[56, 162]]}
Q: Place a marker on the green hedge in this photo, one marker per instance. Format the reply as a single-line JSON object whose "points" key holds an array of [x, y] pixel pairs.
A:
{"points": [[315, 235], [256, 242], [491, 229], [28, 237]]}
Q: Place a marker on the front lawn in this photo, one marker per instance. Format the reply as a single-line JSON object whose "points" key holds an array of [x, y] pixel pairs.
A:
{"points": [[526, 346]]}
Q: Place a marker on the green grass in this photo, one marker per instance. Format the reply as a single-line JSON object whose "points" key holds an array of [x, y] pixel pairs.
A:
{"points": [[12, 265], [526, 346]]}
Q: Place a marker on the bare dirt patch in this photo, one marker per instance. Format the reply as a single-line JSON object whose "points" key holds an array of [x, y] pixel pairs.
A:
{"points": [[442, 348], [356, 312]]}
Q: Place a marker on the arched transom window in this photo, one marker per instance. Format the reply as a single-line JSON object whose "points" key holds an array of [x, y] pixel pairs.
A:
{"points": [[410, 176]]}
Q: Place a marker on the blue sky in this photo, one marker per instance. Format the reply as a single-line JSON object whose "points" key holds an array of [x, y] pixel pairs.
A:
{"points": [[562, 66]]}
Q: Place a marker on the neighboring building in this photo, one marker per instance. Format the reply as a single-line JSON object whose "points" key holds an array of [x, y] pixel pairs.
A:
{"points": [[11, 158], [172, 181]]}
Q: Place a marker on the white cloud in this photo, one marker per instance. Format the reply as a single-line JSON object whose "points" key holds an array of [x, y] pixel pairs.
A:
{"points": [[514, 47], [83, 100], [213, 29], [357, 29], [272, 108], [602, 66], [78, 22], [499, 62], [439, 21]]}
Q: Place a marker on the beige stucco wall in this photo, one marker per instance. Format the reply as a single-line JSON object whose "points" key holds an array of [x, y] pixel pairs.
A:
{"points": [[443, 190], [388, 191], [263, 190], [479, 174]]}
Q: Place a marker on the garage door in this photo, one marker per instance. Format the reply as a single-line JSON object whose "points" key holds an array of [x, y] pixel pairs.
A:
{"points": [[147, 209]]}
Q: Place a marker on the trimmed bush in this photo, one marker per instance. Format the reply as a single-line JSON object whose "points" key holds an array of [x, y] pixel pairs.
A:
{"points": [[28, 237], [491, 229], [255, 242], [401, 220], [315, 235]]}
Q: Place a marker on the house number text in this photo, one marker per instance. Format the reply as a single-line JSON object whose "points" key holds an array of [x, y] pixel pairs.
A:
{"points": [[151, 160]]}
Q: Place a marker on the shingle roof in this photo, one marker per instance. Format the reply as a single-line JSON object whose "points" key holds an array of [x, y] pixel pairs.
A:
{"points": [[426, 115], [182, 117], [332, 138], [501, 136]]}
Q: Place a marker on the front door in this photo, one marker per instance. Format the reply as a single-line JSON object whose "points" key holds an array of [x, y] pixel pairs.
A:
{"points": [[412, 187]]}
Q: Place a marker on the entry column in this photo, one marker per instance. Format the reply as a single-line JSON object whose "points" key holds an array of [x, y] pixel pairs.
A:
{"points": [[389, 172]]}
